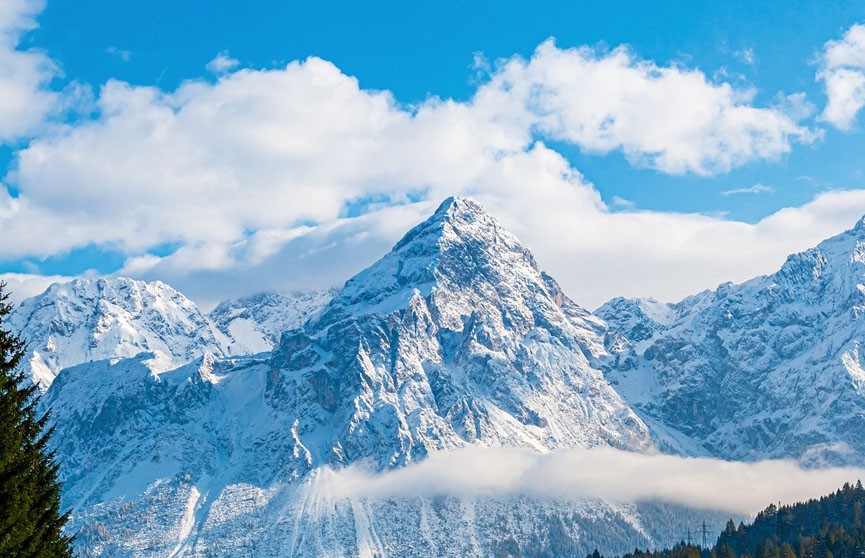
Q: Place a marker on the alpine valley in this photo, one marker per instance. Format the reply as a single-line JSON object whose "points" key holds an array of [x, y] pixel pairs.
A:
{"points": [[185, 434]]}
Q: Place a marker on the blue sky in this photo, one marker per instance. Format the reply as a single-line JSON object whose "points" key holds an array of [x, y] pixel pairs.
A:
{"points": [[420, 50], [417, 53]]}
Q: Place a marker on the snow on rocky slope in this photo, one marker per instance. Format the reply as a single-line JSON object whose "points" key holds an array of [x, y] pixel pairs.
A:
{"points": [[197, 462], [768, 368], [93, 319], [454, 338], [254, 323]]}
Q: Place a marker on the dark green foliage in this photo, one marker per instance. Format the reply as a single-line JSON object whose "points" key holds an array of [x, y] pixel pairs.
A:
{"points": [[31, 524], [826, 528], [830, 526]]}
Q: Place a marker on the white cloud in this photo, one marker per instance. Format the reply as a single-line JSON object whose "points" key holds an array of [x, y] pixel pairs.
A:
{"points": [[222, 63], [124, 55], [622, 203], [251, 176], [842, 70], [606, 473], [669, 118], [23, 285], [24, 74], [758, 188]]}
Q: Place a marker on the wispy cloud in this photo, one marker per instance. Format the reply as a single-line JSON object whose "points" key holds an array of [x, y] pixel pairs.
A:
{"points": [[622, 203], [124, 55], [758, 188], [746, 56], [606, 473]]}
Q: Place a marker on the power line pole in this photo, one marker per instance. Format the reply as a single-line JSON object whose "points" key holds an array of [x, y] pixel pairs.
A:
{"points": [[705, 534]]}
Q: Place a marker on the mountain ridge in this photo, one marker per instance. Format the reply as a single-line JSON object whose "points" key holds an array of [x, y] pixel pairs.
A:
{"points": [[766, 368], [455, 337]]}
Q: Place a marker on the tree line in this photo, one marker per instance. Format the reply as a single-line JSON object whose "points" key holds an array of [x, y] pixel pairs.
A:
{"points": [[826, 527]]}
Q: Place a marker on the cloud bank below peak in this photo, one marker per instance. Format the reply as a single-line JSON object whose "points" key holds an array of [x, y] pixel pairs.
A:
{"points": [[576, 474]]}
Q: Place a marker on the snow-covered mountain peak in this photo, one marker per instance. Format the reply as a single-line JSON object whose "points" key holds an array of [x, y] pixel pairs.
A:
{"points": [[455, 337], [833, 271], [93, 319], [455, 217], [460, 255]]}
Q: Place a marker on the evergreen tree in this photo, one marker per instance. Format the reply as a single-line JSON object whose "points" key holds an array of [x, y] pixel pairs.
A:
{"points": [[31, 524]]}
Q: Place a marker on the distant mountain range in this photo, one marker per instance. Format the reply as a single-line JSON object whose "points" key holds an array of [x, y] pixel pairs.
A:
{"points": [[180, 433], [768, 368], [87, 320]]}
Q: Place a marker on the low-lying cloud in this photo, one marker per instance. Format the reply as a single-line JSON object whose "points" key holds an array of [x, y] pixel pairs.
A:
{"points": [[606, 473]]}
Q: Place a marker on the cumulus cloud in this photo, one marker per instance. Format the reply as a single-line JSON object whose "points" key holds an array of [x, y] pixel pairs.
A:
{"points": [[842, 71], [606, 473], [24, 73], [222, 63], [669, 118], [256, 178]]}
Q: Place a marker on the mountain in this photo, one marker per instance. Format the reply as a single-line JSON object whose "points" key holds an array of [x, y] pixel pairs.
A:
{"points": [[454, 338], [196, 462], [94, 319], [768, 368], [253, 324]]}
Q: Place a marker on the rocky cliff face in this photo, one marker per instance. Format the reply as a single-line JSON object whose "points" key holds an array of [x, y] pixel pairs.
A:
{"points": [[455, 337], [768, 368]]}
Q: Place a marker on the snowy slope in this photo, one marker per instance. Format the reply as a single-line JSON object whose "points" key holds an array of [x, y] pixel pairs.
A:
{"points": [[197, 462], [768, 368], [93, 319], [254, 323]]}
